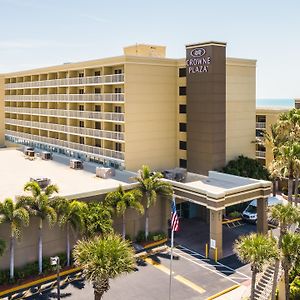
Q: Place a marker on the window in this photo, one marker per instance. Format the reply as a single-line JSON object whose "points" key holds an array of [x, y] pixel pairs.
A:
{"points": [[118, 128], [80, 74], [97, 73], [118, 147], [81, 107], [260, 118], [182, 108], [118, 109], [182, 145], [97, 107], [182, 163], [182, 90], [118, 90], [260, 147], [97, 90], [98, 143], [260, 133], [98, 125], [182, 127], [81, 140], [118, 71], [81, 123], [182, 72], [81, 91]]}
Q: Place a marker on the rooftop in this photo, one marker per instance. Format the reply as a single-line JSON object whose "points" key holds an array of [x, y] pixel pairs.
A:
{"points": [[16, 170]]}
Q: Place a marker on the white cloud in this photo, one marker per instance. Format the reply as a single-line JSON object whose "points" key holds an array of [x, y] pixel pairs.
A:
{"points": [[94, 18]]}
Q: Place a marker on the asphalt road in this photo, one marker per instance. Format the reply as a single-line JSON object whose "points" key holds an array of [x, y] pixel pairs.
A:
{"points": [[194, 277]]}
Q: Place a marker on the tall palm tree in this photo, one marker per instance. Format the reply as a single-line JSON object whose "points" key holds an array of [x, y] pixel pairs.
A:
{"points": [[121, 201], [290, 254], [258, 250], [40, 203], [16, 215], [102, 259], [285, 215], [150, 186], [70, 215]]}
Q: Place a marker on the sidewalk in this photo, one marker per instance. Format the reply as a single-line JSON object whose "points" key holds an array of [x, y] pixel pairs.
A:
{"points": [[242, 292]]}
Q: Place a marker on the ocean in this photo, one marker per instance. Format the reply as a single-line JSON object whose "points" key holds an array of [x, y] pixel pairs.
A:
{"points": [[289, 103]]}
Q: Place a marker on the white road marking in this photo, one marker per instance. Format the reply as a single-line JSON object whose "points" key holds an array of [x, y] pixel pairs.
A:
{"points": [[219, 264]]}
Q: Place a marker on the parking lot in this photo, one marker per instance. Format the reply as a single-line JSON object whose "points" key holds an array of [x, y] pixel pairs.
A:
{"points": [[194, 277]]}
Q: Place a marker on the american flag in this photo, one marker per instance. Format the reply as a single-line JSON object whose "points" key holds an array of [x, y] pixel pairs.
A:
{"points": [[174, 217]]}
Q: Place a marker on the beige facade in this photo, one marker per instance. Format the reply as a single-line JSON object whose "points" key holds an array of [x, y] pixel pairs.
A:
{"points": [[2, 114], [122, 111], [265, 117]]}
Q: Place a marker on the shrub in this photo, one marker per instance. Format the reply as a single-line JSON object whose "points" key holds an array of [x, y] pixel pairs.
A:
{"points": [[234, 214], [295, 289], [141, 237]]}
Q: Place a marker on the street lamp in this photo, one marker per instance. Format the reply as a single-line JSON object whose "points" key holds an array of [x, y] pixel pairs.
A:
{"points": [[54, 261]]}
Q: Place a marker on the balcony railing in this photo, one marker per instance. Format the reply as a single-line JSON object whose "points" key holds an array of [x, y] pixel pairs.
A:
{"points": [[107, 116], [67, 98], [95, 133], [90, 80], [260, 154], [67, 145], [260, 125]]}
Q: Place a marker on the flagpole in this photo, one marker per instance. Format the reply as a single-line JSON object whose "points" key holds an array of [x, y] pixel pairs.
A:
{"points": [[171, 260]]}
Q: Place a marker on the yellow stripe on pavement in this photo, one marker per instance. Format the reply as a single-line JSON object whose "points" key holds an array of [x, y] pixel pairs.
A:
{"points": [[179, 278]]}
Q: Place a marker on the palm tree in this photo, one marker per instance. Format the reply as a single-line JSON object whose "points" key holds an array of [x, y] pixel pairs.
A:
{"points": [[150, 186], [97, 218], [70, 215], [102, 259], [258, 250], [17, 216], [285, 215], [121, 201], [40, 205], [290, 254]]}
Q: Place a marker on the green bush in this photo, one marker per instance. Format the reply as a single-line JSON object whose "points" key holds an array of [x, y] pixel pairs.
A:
{"points": [[152, 236], [31, 269], [128, 237], [141, 237], [295, 289], [234, 214]]}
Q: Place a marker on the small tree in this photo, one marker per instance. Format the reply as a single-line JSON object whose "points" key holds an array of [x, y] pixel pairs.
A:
{"points": [[70, 215], [16, 216], [150, 186], [290, 256], [40, 205], [102, 259], [121, 201], [258, 250], [97, 219]]}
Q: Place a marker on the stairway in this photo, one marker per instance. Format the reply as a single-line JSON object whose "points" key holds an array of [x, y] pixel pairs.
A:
{"points": [[263, 288]]}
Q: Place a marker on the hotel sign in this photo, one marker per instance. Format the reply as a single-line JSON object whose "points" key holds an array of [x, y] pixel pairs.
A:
{"points": [[198, 61]]}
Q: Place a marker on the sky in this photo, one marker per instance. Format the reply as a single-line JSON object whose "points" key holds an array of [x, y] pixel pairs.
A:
{"points": [[38, 33]]}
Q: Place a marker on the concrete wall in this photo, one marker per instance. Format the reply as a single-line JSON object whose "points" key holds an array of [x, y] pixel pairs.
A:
{"points": [[150, 115], [240, 108], [54, 238]]}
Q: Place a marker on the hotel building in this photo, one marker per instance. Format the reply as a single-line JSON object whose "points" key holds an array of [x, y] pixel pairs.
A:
{"points": [[196, 112]]}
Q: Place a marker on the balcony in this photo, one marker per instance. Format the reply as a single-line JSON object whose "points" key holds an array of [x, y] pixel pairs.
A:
{"points": [[95, 133], [76, 81], [106, 116], [260, 154], [105, 153], [260, 125], [67, 98]]}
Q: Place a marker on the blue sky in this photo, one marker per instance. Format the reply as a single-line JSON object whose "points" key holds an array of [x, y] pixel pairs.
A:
{"points": [[37, 33]]}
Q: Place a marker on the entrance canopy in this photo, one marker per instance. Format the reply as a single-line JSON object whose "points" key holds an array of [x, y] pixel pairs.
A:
{"points": [[219, 190]]}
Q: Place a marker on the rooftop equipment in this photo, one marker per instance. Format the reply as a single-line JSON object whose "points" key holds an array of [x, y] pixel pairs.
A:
{"points": [[43, 182], [177, 174], [105, 173], [76, 164], [46, 155]]}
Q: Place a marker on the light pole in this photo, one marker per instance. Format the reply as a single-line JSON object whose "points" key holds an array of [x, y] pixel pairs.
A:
{"points": [[54, 261]]}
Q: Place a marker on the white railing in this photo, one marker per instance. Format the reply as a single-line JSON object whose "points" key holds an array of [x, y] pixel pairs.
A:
{"points": [[67, 98], [68, 129], [108, 116], [261, 125], [260, 154], [65, 144], [90, 80]]}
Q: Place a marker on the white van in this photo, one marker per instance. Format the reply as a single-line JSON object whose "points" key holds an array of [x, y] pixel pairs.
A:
{"points": [[250, 213]]}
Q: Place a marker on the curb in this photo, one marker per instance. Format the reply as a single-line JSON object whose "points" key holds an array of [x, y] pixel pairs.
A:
{"points": [[39, 281], [223, 292], [163, 241]]}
